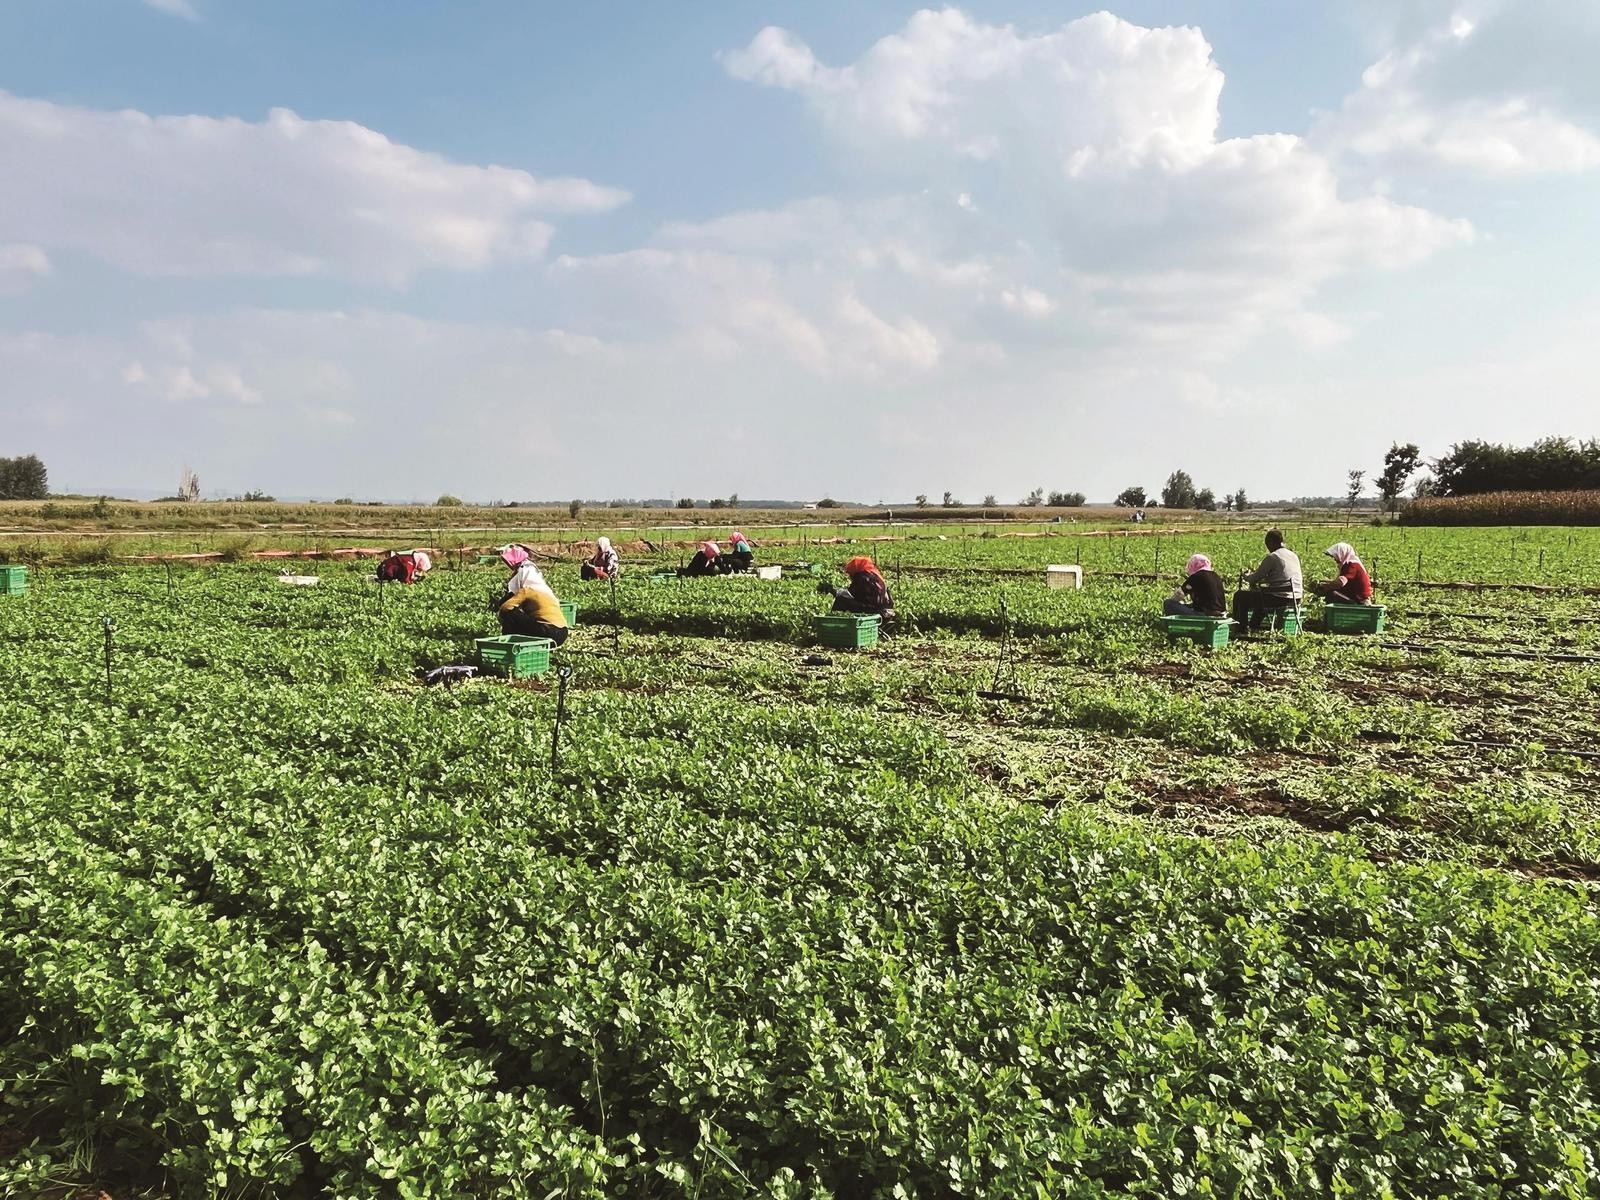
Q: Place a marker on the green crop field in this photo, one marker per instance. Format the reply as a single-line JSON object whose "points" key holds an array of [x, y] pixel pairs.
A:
{"points": [[1024, 902]]}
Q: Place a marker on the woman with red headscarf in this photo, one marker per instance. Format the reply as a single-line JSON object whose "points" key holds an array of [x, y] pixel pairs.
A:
{"points": [[867, 593]]}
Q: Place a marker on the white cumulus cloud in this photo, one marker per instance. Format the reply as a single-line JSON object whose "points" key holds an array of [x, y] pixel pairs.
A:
{"points": [[1092, 187], [198, 195], [1483, 87]]}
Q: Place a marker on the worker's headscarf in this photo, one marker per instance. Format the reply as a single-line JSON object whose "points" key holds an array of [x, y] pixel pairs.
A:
{"points": [[709, 549], [603, 544], [736, 537], [420, 557], [1196, 564], [513, 556], [859, 564], [1342, 553]]}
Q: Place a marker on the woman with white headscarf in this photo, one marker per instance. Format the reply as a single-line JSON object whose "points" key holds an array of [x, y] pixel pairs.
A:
{"points": [[524, 574], [1202, 593], [604, 563], [1352, 585]]}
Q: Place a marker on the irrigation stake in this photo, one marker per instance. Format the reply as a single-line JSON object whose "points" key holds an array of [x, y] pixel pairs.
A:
{"points": [[616, 616], [110, 628], [562, 672]]}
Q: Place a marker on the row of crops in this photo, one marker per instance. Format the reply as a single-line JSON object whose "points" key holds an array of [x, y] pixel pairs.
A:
{"points": [[277, 920]]}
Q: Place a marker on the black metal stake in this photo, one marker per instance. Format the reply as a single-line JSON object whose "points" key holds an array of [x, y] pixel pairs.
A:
{"points": [[110, 627], [562, 672], [616, 616]]}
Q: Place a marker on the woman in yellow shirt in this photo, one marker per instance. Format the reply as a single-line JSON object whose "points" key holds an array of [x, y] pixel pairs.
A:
{"points": [[535, 612]]}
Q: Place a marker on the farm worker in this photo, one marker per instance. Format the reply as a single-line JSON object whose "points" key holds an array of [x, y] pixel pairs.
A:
{"points": [[535, 612], [524, 574], [604, 563], [1352, 585], [704, 561], [404, 568], [1202, 593], [741, 553], [1274, 585], [867, 593]]}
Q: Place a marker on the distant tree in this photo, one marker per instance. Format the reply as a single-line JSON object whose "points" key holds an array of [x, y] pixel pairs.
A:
{"points": [[950, 501], [448, 501], [344, 500], [1399, 465], [1179, 491], [1130, 497], [1353, 493], [189, 485], [574, 507], [1205, 500], [1550, 464], [1067, 499], [685, 502], [24, 478], [1240, 503], [1034, 498], [733, 500], [828, 502], [716, 502], [1425, 486], [989, 501], [258, 497], [922, 499]]}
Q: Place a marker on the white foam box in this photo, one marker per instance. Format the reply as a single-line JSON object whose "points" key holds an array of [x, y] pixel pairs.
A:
{"points": [[1059, 575]]}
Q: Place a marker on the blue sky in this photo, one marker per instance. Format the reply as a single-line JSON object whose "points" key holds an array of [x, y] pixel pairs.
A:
{"points": [[517, 250]]}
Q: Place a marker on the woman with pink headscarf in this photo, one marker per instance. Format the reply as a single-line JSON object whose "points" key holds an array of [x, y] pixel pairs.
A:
{"points": [[1352, 585], [1202, 593], [704, 561], [741, 554]]}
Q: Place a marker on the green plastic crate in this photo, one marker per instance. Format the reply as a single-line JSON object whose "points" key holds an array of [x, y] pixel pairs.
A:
{"points": [[1354, 618], [847, 631], [1203, 631], [13, 580], [569, 611], [1283, 620], [515, 655]]}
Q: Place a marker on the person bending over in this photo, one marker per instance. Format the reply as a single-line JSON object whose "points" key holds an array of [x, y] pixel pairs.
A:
{"points": [[533, 612], [404, 568], [1274, 585], [604, 564], [704, 561], [867, 594], [1202, 593], [1352, 585]]}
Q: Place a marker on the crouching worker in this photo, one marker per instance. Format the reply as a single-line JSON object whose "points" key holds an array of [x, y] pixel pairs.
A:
{"points": [[404, 568], [1274, 585], [867, 593], [1202, 593], [741, 556], [1352, 585], [704, 561], [534, 612], [603, 564]]}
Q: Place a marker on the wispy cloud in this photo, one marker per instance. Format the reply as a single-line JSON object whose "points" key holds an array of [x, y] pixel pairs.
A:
{"points": [[175, 8]]}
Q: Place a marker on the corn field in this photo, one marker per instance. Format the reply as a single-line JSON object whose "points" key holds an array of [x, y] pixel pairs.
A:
{"points": [[1507, 508]]}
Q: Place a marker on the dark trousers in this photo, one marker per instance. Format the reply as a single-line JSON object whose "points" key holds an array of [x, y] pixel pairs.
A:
{"points": [[515, 622], [1249, 608]]}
